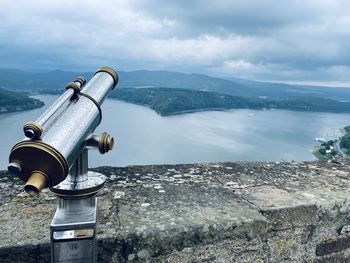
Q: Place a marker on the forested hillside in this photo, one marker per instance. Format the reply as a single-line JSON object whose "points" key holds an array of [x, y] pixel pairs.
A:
{"points": [[16, 101]]}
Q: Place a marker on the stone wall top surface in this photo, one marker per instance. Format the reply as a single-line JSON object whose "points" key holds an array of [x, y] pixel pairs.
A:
{"points": [[166, 208]]}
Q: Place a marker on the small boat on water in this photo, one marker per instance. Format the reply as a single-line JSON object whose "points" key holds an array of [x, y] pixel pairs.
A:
{"points": [[321, 140]]}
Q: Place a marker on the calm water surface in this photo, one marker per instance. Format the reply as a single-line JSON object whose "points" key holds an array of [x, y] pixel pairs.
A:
{"points": [[143, 137]]}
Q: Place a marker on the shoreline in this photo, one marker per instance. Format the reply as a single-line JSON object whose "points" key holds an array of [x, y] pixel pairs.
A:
{"points": [[222, 109], [5, 110]]}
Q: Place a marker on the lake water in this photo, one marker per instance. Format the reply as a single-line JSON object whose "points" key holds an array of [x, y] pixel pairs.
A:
{"points": [[143, 137]]}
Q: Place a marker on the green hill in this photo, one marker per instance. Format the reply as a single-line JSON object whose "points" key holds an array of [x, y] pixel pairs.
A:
{"points": [[55, 81], [170, 101], [18, 80], [142, 78], [14, 101], [172, 92]]}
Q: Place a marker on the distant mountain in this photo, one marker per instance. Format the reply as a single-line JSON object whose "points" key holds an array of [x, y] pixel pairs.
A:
{"points": [[18, 80], [56, 80], [170, 101], [282, 90], [236, 87], [14, 101], [172, 92], [141, 79]]}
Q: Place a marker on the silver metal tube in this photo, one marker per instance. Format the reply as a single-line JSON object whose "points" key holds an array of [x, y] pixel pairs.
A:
{"points": [[79, 119], [77, 205], [79, 171], [52, 112], [34, 130], [50, 115]]}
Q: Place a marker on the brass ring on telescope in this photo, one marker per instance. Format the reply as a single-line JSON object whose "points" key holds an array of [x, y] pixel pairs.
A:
{"points": [[111, 72], [32, 130], [39, 156], [81, 80], [75, 88]]}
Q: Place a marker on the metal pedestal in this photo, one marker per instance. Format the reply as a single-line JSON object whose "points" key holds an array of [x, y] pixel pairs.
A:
{"points": [[73, 231], [73, 228]]}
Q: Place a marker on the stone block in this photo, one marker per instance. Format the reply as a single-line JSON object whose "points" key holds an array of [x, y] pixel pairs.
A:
{"points": [[332, 246]]}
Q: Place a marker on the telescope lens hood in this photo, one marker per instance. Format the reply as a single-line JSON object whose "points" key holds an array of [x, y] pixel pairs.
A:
{"points": [[111, 72]]}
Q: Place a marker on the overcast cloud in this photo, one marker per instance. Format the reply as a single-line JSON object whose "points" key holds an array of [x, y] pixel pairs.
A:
{"points": [[297, 41]]}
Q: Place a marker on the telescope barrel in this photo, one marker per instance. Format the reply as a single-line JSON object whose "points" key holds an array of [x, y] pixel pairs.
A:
{"points": [[44, 160], [79, 119], [43, 122]]}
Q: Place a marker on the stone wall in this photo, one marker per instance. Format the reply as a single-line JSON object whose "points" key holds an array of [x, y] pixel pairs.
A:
{"points": [[216, 212]]}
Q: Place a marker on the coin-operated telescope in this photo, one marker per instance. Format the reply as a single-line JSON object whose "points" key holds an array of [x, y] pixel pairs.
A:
{"points": [[54, 155]]}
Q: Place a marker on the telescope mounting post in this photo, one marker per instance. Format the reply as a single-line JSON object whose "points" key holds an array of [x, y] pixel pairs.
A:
{"points": [[73, 227]]}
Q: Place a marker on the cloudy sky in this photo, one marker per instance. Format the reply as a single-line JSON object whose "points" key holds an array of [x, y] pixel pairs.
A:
{"points": [[301, 41]]}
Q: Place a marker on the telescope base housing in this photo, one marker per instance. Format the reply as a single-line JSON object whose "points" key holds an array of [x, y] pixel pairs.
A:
{"points": [[73, 227], [73, 231]]}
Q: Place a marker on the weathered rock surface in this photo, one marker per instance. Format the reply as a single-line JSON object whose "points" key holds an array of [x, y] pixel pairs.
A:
{"points": [[215, 212]]}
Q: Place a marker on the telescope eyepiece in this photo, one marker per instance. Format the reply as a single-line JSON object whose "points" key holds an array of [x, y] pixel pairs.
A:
{"points": [[36, 183]]}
